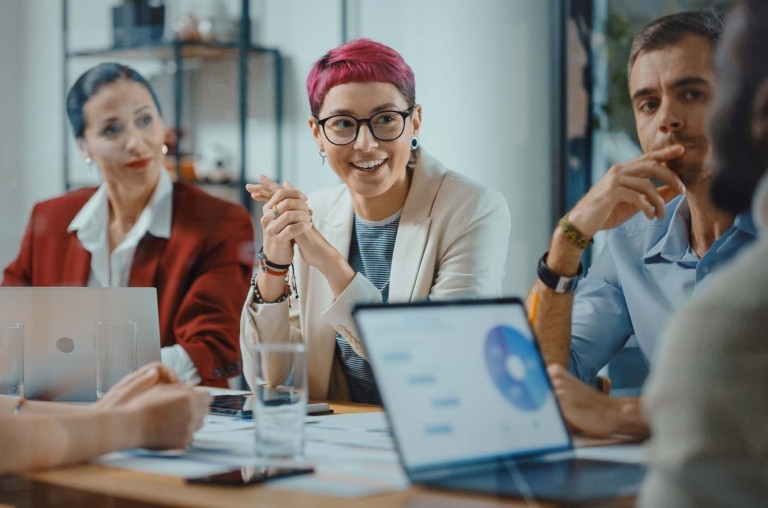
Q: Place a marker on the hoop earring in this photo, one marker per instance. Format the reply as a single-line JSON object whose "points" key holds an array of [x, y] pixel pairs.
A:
{"points": [[414, 143], [323, 155], [165, 149]]}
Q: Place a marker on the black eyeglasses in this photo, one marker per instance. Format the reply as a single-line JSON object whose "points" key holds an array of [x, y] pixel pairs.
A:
{"points": [[384, 126]]}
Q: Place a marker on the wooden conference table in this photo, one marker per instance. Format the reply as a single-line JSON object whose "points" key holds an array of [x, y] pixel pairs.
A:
{"points": [[99, 486]]}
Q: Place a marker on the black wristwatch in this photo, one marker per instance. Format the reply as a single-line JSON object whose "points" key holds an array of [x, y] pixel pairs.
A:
{"points": [[555, 281]]}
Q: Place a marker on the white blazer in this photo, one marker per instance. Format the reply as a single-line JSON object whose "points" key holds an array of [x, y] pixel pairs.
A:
{"points": [[451, 242]]}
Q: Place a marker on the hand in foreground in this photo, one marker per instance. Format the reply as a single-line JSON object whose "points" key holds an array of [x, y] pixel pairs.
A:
{"points": [[285, 216], [584, 408], [169, 415], [135, 384], [626, 189]]}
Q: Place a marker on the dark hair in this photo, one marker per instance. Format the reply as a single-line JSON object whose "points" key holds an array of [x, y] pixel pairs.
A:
{"points": [[90, 83], [740, 160], [707, 23]]}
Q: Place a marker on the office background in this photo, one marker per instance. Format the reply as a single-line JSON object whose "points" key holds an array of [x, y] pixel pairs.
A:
{"points": [[502, 83]]}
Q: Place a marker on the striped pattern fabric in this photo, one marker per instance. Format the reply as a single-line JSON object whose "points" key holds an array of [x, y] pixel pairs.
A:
{"points": [[370, 254]]}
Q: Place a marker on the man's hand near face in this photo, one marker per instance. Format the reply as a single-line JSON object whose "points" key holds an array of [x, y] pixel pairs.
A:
{"points": [[624, 190]]}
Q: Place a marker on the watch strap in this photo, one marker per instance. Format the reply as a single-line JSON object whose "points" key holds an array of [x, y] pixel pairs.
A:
{"points": [[555, 281]]}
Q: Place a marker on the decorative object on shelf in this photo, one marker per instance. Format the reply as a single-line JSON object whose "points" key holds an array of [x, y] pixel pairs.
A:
{"points": [[137, 23], [215, 23], [186, 171], [187, 28], [207, 21], [214, 165]]}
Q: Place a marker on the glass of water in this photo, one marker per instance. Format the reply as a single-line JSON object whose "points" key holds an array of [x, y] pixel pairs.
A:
{"points": [[116, 353], [12, 360], [280, 401]]}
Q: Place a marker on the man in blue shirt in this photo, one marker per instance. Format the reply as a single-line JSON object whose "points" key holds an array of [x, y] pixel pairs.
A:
{"points": [[664, 240]]}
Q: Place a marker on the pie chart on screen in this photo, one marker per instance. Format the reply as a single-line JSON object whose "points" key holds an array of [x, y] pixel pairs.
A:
{"points": [[515, 368]]}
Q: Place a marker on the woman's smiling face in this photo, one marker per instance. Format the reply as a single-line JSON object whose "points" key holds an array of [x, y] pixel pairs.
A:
{"points": [[370, 168]]}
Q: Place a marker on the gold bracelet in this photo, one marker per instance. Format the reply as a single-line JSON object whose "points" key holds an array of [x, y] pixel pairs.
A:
{"points": [[573, 234]]}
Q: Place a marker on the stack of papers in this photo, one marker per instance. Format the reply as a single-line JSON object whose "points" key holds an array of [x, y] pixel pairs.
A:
{"points": [[353, 455]]}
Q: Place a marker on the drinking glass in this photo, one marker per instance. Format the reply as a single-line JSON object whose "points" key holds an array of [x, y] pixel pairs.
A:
{"points": [[116, 353], [12, 359], [280, 401]]}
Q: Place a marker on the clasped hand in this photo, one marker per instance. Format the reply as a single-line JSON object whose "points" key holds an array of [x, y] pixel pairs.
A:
{"points": [[287, 220], [169, 412]]}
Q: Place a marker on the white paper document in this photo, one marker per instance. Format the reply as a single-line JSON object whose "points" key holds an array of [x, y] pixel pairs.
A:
{"points": [[353, 455]]}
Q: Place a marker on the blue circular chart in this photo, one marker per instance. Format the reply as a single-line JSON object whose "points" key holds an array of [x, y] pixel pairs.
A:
{"points": [[515, 368]]}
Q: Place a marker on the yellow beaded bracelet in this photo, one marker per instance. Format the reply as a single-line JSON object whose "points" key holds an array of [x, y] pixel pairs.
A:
{"points": [[573, 234]]}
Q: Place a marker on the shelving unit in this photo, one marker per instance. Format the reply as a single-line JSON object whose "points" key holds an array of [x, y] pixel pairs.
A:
{"points": [[179, 52]]}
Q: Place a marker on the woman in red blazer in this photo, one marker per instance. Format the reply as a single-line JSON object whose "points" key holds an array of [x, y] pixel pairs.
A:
{"points": [[141, 229]]}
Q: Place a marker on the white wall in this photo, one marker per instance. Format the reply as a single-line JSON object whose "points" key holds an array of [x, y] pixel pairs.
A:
{"points": [[32, 105], [483, 75], [10, 134]]}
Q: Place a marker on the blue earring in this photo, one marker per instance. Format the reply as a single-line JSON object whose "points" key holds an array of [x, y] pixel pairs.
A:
{"points": [[414, 143]]}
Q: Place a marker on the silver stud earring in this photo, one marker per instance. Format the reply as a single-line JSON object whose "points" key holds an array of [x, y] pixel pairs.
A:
{"points": [[322, 156], [414, 143], [165, 149]]}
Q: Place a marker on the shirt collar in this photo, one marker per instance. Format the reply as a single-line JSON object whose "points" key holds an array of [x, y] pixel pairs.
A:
{"points": [[760, 205], [746, 223], [674, 244], [91, 220], [161, 206]]}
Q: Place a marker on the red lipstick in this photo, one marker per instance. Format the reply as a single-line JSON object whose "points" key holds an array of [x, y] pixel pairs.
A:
{"points": [[139, 163]]}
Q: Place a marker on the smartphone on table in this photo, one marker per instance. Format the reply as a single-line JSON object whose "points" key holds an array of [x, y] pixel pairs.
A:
{"points": [[242, 406], [250, 475]]}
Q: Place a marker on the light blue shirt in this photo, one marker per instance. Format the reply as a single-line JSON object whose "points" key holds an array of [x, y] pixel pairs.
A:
{"points": [[645, 272]]}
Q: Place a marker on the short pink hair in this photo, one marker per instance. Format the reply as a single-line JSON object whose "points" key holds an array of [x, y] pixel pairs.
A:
{"points": [[359, 61]]}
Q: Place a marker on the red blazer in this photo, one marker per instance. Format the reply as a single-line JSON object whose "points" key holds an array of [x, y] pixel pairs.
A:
{"points": [[202, 272]]}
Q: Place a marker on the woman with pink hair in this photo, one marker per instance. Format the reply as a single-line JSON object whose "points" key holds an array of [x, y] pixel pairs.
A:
{"points": [[402, 227]]}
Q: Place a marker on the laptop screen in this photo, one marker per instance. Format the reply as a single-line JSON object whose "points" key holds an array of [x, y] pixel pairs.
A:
{"points": [[461, 381]]}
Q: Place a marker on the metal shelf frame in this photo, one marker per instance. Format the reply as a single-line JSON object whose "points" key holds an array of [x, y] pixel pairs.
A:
{"points": [[177, 51]]}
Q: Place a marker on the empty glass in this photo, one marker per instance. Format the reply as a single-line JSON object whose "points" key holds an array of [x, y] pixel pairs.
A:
{"points": [[280, 401], [12, 359], [115, 353]]}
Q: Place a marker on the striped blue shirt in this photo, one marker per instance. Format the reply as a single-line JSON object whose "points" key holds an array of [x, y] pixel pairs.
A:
{"points": [[370, 254]]}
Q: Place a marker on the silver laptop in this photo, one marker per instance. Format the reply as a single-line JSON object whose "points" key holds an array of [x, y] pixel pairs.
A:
{"points": [[471, 407], [59, 334]]}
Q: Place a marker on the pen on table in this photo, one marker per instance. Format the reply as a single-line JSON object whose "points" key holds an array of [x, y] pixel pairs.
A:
{"points": [[534, 308], [19, 404]]}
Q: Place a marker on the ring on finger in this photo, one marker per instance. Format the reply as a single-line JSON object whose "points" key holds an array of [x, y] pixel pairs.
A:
{"points": [[275, 211]]}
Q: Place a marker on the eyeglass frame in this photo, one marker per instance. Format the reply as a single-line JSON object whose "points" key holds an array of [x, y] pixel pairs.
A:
{"points": [[367, 121]]}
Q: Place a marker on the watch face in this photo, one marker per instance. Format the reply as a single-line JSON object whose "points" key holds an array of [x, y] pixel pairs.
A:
{"points": [[566, 284]]}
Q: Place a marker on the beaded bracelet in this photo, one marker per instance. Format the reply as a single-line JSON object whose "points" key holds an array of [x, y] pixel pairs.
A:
{"points": [[573, 234], [260, 299]]}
